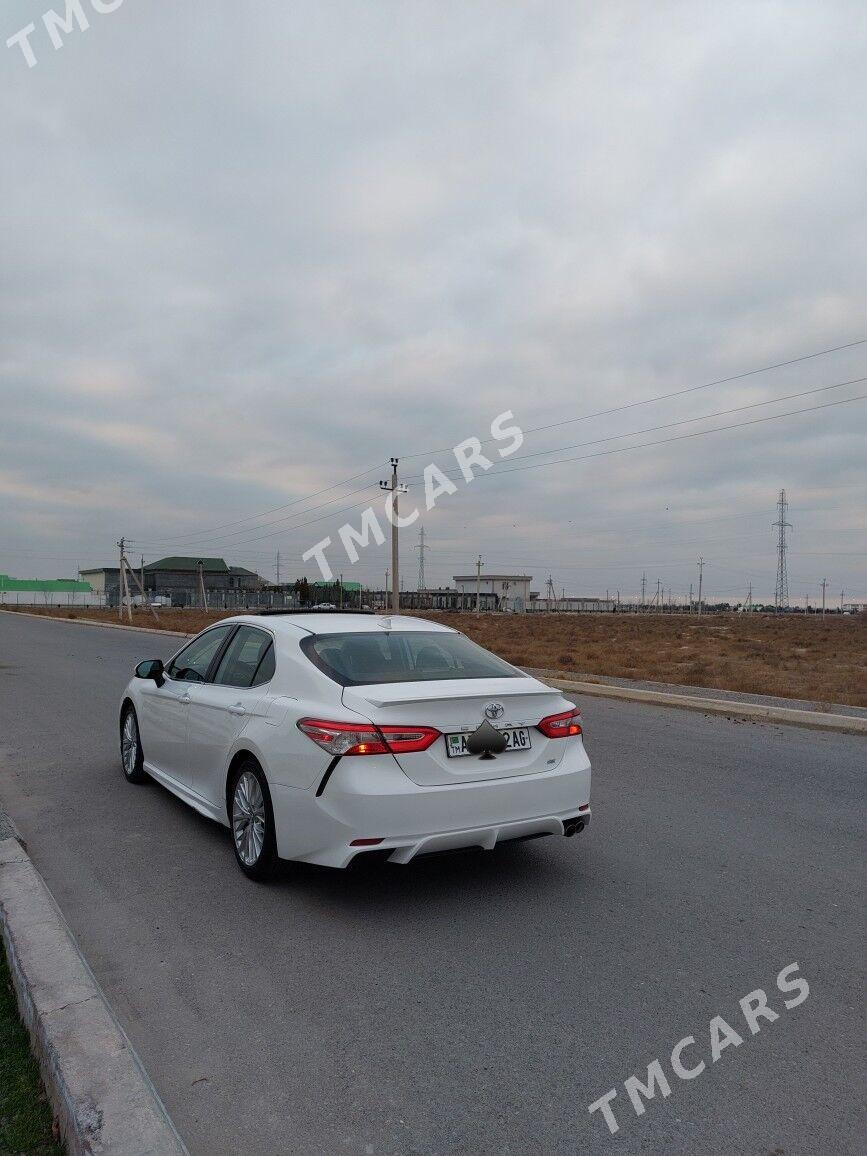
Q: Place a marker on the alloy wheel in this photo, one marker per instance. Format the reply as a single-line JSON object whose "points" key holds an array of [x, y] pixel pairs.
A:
{"points": [[248, 818], [129, 743]]}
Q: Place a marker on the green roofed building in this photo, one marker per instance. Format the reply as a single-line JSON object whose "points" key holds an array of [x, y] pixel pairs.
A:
{"points": [[44, 585], [176, 580], [45, 591]]}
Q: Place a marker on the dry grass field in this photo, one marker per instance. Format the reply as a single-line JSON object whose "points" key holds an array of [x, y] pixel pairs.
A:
{"points": [[792, 657]]}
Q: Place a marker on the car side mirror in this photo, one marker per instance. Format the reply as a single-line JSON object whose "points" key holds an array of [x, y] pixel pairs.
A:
{"points": [[151, 668]]}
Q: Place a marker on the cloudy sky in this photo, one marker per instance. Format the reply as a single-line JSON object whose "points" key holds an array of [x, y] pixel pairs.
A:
{"points": [[248, 252]]}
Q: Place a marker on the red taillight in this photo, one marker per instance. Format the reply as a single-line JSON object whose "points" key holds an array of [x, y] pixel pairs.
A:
{"points": [[350, 738], [561, 726], [366, 842]]}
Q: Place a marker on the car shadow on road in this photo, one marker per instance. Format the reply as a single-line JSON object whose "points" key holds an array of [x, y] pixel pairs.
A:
{"points": [[371, 883], [471, 873]]}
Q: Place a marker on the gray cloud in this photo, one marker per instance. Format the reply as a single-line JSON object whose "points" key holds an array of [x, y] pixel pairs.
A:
{"points": [[248, 253]]}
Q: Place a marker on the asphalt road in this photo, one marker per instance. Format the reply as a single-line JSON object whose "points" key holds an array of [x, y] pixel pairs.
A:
{"points": [[474, 1003]]}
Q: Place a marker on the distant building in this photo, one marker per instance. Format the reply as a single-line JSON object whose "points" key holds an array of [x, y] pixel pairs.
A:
{"points": [[103, 580], [177, 579], [445, 598], [510, 591], [45, 591], [573, 605]]}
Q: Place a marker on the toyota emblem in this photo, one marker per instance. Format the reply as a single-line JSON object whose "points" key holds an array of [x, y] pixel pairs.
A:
{"points": [[494, 710]]}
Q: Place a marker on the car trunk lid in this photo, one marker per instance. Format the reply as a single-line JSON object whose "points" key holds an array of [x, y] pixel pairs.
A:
{"points": [[457, 706]]}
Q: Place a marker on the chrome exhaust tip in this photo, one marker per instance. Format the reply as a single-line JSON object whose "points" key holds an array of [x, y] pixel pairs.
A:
{"points": [[573, 827]]}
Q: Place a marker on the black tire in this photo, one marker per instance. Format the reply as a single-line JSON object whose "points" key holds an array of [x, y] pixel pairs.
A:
{"points": [[261, 868], [133, 767]]}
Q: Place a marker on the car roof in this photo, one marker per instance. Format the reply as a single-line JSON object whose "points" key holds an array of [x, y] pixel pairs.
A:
{"points": [[336, 623]]}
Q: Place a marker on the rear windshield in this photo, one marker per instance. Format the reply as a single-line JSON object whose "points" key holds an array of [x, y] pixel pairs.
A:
{"points": [[401, 656]]}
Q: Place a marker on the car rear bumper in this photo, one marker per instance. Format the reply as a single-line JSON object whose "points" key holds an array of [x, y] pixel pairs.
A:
{"points": [[371, 798]]}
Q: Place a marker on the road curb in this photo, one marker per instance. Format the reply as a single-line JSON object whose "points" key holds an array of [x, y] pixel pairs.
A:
{"points": [[101, 1095], [8, 830], [757, 712], [106, 625]]}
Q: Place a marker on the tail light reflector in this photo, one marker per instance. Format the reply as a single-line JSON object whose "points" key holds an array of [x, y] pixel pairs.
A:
{"points": [[561, 726], [351, 738]]}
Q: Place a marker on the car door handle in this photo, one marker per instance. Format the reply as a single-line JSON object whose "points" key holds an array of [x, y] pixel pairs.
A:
{"points": [[237, 709]]}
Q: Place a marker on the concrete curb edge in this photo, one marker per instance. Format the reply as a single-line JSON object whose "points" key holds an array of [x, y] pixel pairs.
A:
{"points": [[103, 1098], [792, 716], [105, 625]]}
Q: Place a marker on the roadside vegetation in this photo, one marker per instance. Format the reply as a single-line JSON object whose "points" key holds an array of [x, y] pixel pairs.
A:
{"points": [[25, 1115], [791, 656]]}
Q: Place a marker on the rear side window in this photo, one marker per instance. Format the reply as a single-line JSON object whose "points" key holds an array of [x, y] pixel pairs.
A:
{"points": [[402, 656], [248, 661], [191, 665]]}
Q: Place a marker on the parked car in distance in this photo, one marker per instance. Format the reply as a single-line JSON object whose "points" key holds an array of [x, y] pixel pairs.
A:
{"points": [[323, 736]]}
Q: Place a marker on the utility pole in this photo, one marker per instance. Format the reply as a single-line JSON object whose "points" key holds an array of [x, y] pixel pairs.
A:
{"points": [[750, 600], [277, 575], [479, 584], [394, 487], [781, 593], [550, 596], [386, 590], [643, 588], [841, 600], [700, 576], [126, 572], [340, 599], [690, 598], [657, 598], [202, 596], [421, 547], [824, 584], [123, 588]]}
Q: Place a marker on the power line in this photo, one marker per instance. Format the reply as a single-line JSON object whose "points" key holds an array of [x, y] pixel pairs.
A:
{"points": [[285, 506], [666, 396], [587, 457], [680, 422], [666, 441], [584, 417]]}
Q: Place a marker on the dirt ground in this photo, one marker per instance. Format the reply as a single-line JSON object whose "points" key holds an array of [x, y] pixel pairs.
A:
{"points": [[793, 657]]}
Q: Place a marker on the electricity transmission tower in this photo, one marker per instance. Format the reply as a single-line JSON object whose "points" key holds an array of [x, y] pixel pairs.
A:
{"points": [[421, 547], [781, 594]]}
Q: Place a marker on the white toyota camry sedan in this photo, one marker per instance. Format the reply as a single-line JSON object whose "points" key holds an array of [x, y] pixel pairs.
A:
{"points": [[324, 736]]}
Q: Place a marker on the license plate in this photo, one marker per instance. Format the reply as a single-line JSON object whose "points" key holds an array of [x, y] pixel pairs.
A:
{"points": [[517, 739]]}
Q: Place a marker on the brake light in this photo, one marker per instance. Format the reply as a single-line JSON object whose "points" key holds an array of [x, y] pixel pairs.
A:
{"points": [[350, 738], [561, 726]]}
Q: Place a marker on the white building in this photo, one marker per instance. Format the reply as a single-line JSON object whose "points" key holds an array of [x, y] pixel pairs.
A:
{"points": [[511, 591]]}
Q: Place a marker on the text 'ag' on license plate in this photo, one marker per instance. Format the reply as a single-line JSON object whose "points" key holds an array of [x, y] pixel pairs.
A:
{"points": [[517, 739]]}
